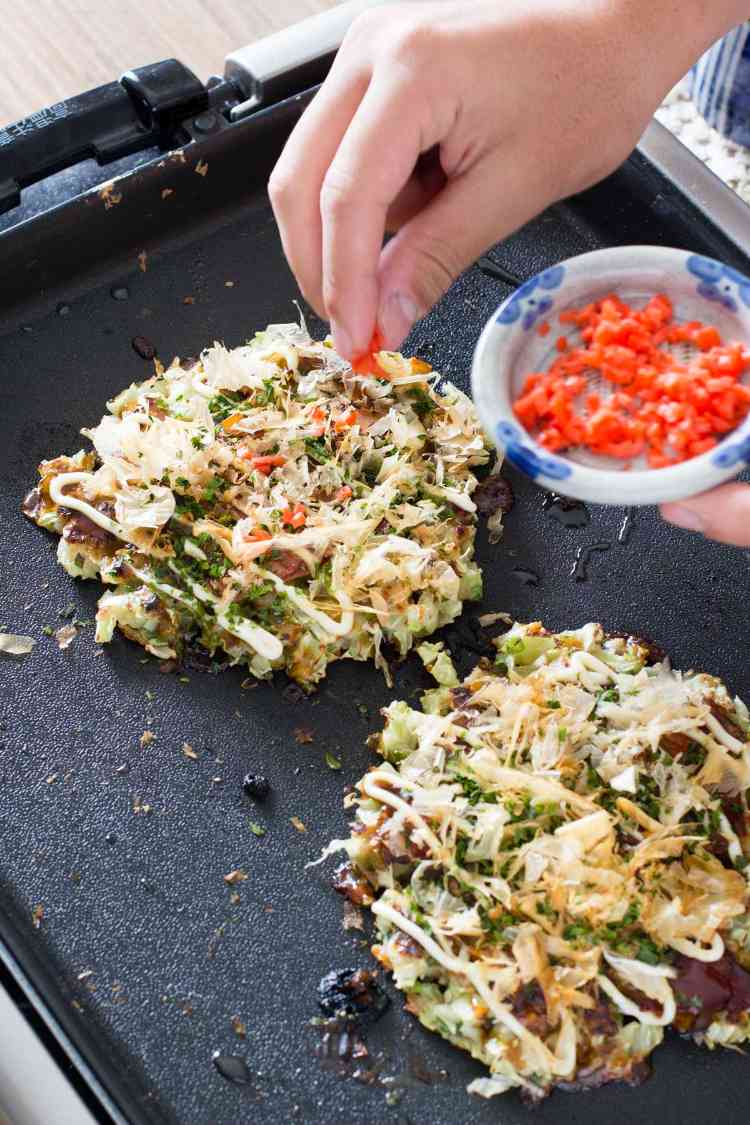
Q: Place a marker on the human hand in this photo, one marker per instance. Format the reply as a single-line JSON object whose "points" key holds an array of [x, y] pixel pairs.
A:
{"points": [[722, 514], [454, 123]]}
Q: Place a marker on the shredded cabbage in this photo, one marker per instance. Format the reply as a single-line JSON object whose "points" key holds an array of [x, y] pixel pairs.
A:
{"points": [[542, 850]]}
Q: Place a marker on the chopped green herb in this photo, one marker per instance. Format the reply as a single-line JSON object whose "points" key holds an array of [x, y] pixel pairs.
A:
{"points": [[332, 761], [316, 450], [222, 405], [421, 402], [211, 491]]}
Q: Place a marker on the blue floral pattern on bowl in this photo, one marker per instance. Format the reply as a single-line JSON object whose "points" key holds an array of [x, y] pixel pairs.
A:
{"points": [[719, 283], [527, 303], [732, 453], [528, 459]]}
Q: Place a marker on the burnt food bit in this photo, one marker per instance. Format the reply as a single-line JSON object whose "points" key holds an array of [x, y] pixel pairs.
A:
{"points": [[256, 785], [352, 886], [353, 994], [143, 347], [652, 652], [493, 494], [196, 658]]}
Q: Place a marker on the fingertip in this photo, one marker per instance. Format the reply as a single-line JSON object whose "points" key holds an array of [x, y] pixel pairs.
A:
{"points": [[722, 514], [680, 515]]}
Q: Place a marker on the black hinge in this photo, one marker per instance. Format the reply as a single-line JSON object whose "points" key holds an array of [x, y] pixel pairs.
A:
{"points": [[147, 108]]}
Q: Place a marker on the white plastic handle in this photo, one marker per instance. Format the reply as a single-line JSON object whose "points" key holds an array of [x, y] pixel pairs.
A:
{"points": [[274, 67]]}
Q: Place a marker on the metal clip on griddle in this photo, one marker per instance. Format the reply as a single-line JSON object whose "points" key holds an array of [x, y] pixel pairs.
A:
{"points": [[165, 106]]}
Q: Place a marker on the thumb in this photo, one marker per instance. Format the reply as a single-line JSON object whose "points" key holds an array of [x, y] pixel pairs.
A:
{"points": [[472, 212], [722, 514]]}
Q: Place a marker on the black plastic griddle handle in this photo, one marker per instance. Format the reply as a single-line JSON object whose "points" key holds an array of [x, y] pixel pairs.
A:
{"points": [[143, 110]]}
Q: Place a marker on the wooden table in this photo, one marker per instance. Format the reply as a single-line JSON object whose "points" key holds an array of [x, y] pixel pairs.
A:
{"points": [[52, 49]]}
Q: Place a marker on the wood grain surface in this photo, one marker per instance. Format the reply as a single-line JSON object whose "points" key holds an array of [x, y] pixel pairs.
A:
{"points": [[52, 49]]}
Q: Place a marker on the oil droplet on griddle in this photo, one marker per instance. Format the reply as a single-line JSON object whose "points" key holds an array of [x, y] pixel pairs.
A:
{"points": [[120, 293], [525, 576], [583, 557], [63, 309], [569, 513], [27, 329], [232, 1067], [627, 526]]}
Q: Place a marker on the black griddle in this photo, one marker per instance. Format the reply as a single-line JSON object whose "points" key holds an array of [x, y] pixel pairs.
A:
{"points": [[137, 899]]}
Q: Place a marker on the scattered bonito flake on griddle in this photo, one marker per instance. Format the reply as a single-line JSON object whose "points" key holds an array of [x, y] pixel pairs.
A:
{"points": [[240, 1028], [37, 914], [16, 644], [488, 619], [236, 876], [146, 738], [202, 167], [303, 735], [353, 918], [188, 751], [295, 820], [65, 636]]}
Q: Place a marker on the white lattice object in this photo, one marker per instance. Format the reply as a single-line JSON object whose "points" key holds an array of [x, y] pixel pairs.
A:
{"points": [[730, 161]]}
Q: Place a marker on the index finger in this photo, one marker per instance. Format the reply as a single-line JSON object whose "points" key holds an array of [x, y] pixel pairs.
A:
{"points": [[374, 161], [295, 183]]}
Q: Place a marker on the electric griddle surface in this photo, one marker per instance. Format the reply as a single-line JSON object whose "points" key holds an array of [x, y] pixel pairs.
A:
{"points": [[141, 952]]}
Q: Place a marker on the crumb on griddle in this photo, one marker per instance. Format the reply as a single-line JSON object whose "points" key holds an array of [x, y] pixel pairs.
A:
{"points": [[236, 876]]}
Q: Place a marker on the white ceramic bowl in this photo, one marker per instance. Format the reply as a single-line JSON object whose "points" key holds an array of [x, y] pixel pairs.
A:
{"points": [[510, 347]]}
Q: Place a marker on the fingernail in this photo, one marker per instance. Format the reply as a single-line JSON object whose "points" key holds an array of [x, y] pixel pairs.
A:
{"points": [[686, 518], [396, 317], [342, 341]]}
